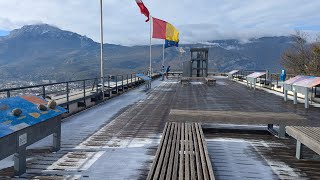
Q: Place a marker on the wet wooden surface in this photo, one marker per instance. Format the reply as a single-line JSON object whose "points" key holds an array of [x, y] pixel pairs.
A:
{"points": [[235, 117], [182, 154]]}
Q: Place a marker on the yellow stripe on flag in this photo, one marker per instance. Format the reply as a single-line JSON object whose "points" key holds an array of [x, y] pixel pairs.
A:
{"points": [[172, 34]]}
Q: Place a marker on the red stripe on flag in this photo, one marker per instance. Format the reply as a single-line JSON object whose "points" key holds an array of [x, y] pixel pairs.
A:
{"points": [[143, 9], [159, 28]]}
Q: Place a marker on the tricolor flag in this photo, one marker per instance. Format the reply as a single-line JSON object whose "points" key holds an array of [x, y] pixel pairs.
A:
{"points": [[144, 10], [164, 30], [171, 44]]}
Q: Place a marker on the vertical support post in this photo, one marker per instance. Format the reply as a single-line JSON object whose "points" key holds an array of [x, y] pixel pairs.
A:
{"points": [[20, 161], [101, 50], [117, 91], [135, 80], [56, 141], [84, 88], [270, 83], [295, 98], [122, 83], [44, 92], [96, 80], [127, 81], [131, 79], [311, 95], [254, 83], [67, 90], [299, 150], [84, 92], [285, 94], [109, 88], [8, 94], [306, 98], [282, 131], [266, 78]]}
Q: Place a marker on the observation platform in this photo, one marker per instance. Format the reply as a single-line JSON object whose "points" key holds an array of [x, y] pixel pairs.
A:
{"points": [[118, 139]]}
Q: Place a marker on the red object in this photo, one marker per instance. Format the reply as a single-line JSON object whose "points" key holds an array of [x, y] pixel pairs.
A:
{"points": [[159, 28], [144, 10]]}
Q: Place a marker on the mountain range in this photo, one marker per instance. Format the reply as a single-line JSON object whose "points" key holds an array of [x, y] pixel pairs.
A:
{"points": [[42, 51]]}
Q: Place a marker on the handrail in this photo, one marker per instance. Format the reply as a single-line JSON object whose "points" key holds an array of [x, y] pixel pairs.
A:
{"points": [[83, 88], [41, 85]]}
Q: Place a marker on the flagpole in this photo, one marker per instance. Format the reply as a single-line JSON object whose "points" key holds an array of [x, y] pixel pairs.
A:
{"points": [[150, 68], [163, 55], [101, 50], [150, 44]]}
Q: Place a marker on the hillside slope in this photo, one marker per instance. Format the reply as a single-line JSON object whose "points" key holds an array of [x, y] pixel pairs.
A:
{"points": [[37, 52]]}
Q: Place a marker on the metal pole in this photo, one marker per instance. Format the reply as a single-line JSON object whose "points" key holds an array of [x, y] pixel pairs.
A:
{"points": [[67, 88], [122, 83], [306, 98], [96, 81], [117, 84], [127, 81], [101, 49], [150, 68], [84, 89], [163, 55], [180, 58], [44, 92]]}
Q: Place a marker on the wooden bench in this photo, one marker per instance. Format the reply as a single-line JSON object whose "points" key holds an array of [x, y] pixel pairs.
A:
{"points": [[207, 80], [210, 81], [185, 80], [305, 136], [182, 154]]}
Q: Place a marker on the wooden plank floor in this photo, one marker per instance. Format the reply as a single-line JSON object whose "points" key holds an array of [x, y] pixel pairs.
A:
{"points": [[182, 154]]}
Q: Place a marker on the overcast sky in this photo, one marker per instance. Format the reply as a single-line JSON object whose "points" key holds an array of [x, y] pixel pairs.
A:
{"points": [[197, 20]]}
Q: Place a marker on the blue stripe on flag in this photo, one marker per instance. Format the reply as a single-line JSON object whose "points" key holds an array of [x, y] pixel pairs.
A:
{"points": [[171, 44]]}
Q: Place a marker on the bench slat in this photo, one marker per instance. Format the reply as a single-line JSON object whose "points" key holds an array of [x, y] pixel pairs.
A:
{"points": [[197, 153], [182, 154], [162, 154], [167, 149], [202, 156], [175, 160], [154, 164], [187, 162], [205, 149], [191, 150], [181, 169]]}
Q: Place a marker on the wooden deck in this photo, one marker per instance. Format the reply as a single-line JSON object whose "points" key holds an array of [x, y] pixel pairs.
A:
{"points": [[182, 154]]}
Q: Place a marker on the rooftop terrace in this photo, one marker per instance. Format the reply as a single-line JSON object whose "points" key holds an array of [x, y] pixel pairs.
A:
{"points": [[118, 139]]}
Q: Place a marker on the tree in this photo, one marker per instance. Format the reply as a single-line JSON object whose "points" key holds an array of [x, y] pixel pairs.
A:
{"points": [[315, 49], [302, 57]]}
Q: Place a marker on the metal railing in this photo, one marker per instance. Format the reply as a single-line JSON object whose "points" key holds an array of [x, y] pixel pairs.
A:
{"points": [[77, 88], [273, 77], [273, 80]]}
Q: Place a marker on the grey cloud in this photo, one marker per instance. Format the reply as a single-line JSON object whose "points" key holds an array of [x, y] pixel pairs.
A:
{"points": [[196, 20]]}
